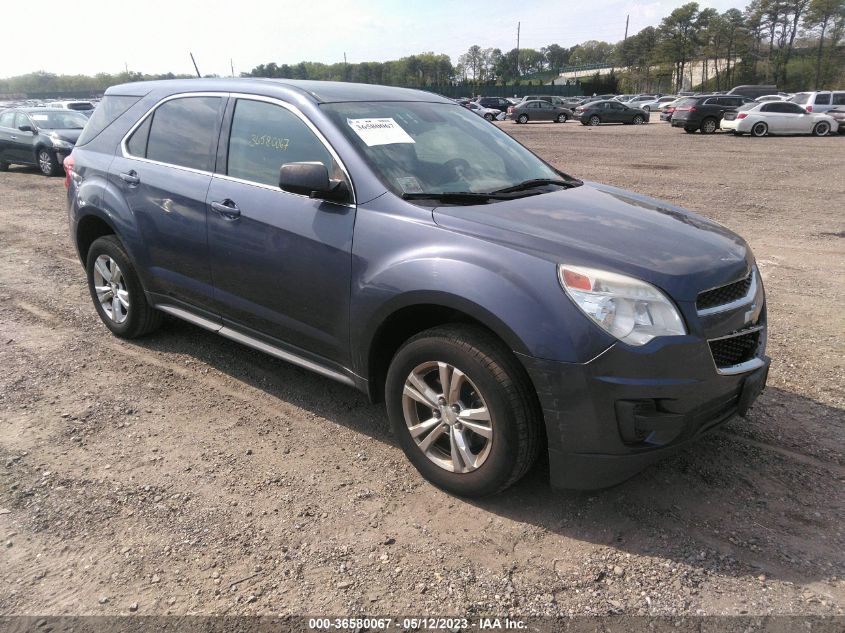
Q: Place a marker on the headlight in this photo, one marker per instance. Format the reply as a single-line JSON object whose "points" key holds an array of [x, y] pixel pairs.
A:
{"points": [[60, 143], [629, 309]]}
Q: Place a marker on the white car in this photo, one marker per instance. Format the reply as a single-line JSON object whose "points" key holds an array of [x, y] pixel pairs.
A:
{"points": [[765, 98], [777, 117], [657, 103]]}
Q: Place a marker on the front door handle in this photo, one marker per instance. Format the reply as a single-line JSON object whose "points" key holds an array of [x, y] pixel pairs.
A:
{"points": [[130, 178], [227, 209], [13, 137]]}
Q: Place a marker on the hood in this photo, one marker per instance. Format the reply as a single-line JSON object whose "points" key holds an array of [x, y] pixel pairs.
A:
{"points": [[71, 136], [612, 229]]}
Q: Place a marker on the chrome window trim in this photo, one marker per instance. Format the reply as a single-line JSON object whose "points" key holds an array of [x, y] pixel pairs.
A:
{"points": [[238, 95], [736, 303]]}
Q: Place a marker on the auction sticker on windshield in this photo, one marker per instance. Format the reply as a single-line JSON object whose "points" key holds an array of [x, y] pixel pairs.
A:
{"points": [[379, 131]]}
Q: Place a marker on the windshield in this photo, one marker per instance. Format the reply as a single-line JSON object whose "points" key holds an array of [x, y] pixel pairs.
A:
{"points": [[801, 97], [418, 147], [59, 120]]}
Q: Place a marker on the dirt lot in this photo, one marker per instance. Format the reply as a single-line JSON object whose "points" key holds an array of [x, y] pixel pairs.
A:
{"points": [[185, 474]]}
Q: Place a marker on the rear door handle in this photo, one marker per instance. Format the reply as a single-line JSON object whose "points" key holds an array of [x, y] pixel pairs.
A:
{"points": [[227, 209], [130, 178]]}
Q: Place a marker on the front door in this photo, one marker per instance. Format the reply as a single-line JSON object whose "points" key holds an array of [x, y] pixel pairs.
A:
{"points": [[281, 262], [22, 144], [163, 175]]}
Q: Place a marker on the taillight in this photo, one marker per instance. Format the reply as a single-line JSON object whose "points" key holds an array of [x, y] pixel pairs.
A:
{"points": [[692, 109], [68, 163], [670, 110], [809, 108], [741, 115], [510, 109]]}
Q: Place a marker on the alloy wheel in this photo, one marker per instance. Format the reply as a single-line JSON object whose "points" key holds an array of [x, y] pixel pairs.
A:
{"points": [[447, 417], [110, 285], [45, 162]]}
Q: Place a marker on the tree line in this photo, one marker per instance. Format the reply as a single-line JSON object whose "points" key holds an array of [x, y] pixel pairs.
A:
{"points": [[797, 44]]}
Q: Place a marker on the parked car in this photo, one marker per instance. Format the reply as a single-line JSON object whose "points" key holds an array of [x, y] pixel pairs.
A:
{"points": [[487, 113], [638, 100], [705, 112], [777, 117], [753, 91], [765, 98], [494, 103], [41, 137], [553, 99], [599, 112], [538, 111], [655, 104], [390, 240], [83, 107], [839, 115], [820, 101]]}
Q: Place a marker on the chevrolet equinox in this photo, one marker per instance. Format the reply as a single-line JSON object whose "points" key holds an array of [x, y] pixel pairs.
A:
{"points": [[394, 241]]}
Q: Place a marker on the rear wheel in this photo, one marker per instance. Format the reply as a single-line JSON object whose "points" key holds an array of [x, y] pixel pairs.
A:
{"points": [[47, 162], [561, 118], [822, 129], [116, 290], [638, 119], [4, 166], [463, 410], [759, 129], [709, 125], [523, 118], [595, 120], [488, 116]]}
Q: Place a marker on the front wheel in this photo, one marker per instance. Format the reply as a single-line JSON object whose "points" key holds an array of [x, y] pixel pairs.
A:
{"points": [[523, 118], [47, 163], [595, 120], [561, 118], [4, 166], [488, 116], [822, 129], [116, 290], [463, 410], [689, 130]]}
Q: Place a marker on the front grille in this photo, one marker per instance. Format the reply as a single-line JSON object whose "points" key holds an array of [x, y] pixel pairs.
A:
{"points": [[724, 294], [734, 350]]}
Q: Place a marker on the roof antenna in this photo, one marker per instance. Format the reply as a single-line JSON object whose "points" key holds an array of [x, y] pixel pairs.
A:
{"points": [[195, 64]]}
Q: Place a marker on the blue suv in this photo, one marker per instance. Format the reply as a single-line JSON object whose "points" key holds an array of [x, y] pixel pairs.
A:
{"points": [[392, 240]]}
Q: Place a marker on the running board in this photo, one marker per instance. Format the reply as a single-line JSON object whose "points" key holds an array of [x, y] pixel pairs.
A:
{"points": [[254, 343]]}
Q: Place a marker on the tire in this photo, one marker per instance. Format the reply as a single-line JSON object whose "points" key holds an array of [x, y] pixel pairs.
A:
{"points": [[492, 380], [488, 117], [822, 128], [561, 118], [638, 119], [647, 108], [759, 129], [131, 316], [595, 120], [47, 162], [4, 166], [523, 118], [709, 125]]}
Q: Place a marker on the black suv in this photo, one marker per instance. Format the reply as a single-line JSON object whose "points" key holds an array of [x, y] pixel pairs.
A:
{"points": [[705, 112], [496, 103]]}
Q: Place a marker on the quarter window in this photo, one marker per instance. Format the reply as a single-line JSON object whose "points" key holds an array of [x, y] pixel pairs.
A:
{"points": [[137, 145], [184, 132], [265, 136]]}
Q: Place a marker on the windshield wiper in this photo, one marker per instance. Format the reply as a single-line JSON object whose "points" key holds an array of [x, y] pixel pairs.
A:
{"points": [[533, 183], [455, 196]]}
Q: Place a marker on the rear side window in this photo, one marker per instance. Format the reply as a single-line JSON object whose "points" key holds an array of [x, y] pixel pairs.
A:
{"points": [[184, 132], [111, 107], [822, 98], [264, 137]]}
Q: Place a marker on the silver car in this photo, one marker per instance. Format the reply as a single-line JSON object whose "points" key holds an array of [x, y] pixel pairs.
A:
{"points": [[488, 113]]}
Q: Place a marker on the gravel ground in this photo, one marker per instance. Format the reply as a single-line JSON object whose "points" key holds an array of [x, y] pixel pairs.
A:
{"points": [[185, 474]]}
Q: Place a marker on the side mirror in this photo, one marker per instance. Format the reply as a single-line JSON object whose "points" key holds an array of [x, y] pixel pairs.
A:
{"points": [[26, 128], [312, 180]]}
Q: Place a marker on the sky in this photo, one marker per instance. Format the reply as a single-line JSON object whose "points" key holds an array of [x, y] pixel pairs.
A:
{"points": [[156, 36]]}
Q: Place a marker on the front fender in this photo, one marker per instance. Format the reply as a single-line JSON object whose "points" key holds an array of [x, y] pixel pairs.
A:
{"points": [[399, 263]]}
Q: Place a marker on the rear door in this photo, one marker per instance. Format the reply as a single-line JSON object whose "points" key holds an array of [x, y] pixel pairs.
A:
{"points": [[163, 171], [775, 117]]}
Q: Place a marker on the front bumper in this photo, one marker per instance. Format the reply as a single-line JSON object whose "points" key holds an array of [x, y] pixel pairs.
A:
{"points": [[629, 407]]}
